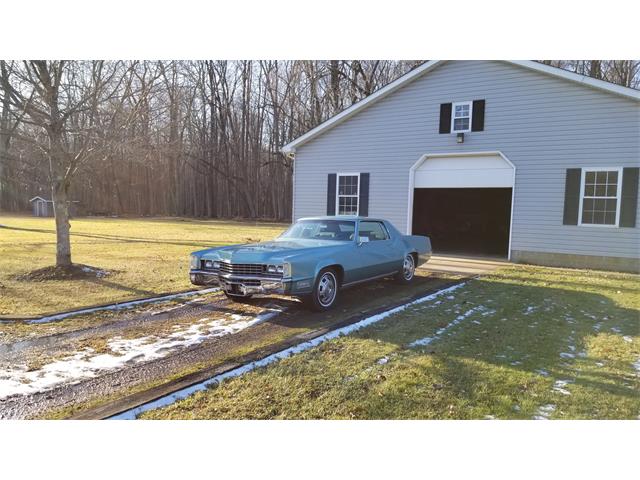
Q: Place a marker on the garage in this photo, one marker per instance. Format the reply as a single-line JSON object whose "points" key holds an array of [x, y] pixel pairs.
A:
{"points": [[463, 203]]}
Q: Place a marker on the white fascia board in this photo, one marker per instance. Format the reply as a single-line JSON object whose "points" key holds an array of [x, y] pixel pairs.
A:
{"points": [[578, 78]]}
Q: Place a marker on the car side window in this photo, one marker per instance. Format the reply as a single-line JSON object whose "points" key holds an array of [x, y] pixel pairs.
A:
{"points": [[372, 232]]}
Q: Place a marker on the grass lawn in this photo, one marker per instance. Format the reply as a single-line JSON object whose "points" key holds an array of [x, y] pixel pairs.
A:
{"points": [[522, 343], [144, 257]]}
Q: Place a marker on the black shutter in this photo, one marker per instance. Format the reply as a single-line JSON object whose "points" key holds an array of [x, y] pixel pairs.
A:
{"points": [[477, 119], [629, 197], [331, 194], [445, 118], [363, 201], [572, 196]]}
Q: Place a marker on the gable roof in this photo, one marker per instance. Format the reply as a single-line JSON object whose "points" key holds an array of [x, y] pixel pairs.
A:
{"points": [[430, 65], [40, 198]]}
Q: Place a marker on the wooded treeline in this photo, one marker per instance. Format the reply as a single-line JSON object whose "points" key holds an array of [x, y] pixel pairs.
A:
{"points": [[192, 138]]}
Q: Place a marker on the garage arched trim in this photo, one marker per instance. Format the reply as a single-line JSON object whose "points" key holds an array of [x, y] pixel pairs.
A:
{"points": [[426, 156]]}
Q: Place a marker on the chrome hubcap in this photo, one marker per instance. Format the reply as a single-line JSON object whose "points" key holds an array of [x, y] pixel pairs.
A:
{"points": [[408, 267], [327, 289]]}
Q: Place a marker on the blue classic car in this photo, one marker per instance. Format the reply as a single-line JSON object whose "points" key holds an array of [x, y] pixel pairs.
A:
{"points": [[313, 260]]}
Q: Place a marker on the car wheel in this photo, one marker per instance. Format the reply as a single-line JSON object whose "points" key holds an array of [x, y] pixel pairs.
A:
{"points": [[237, 298], [408, 271], [325, 291]]}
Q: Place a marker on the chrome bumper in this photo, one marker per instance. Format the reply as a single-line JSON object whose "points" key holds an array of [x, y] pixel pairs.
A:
{"points": [[240, 285]]}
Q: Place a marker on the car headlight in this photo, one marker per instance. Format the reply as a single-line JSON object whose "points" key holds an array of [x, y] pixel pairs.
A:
{"points": [[271, 269], [280, 268], [286, 270], [212, 264], [195, 261]]}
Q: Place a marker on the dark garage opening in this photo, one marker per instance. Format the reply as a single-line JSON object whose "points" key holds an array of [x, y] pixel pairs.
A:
{"points": [[464, 220]]}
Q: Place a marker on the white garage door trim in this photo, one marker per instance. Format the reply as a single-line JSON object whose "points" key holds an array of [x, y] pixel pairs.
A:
{"points": [[472, 170]]}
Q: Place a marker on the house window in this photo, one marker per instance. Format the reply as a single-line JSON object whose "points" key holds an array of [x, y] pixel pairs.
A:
{"points": [[461, 118], [347, 193], [600, 196]]}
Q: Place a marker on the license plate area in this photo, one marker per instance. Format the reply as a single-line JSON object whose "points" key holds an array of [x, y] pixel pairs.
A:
{"points": [[235, 288]]}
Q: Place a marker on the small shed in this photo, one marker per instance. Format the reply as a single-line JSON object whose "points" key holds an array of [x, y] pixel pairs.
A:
{"points": [[42, 207]]}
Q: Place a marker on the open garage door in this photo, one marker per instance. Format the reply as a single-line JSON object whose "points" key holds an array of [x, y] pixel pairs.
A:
{"points": [[463, 203]]}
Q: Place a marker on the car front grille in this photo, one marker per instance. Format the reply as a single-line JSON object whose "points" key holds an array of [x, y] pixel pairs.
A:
{"points": [[242, 268]]}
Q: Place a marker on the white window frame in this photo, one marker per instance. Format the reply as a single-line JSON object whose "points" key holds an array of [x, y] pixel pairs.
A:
{"points": [[583, 181], [357, 195], [453, 116]]}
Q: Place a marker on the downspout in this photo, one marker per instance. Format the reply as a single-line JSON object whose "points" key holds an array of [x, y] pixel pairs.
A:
{"points": [[292, 155]]}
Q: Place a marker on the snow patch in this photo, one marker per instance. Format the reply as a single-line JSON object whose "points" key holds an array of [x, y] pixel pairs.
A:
{"points": [[383, 361], [185, 392], [99, 272], [542, 372], [627, 338], [166, 310], [87, 364], [544, 412], [441, 331], [559, 387]]}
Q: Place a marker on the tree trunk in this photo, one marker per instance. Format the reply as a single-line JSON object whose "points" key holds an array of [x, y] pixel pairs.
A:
{"points": [[61, 210], [5, 137], [60, 196]]}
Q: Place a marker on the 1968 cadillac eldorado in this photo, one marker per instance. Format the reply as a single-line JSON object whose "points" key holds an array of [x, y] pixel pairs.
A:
{"points": [[313, 260]]}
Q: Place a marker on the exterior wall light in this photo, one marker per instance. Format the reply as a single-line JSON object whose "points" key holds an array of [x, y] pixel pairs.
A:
{"points": [[460, 138]]}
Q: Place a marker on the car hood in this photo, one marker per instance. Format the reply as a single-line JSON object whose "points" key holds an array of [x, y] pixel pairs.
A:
{"points": [[264, 252]]}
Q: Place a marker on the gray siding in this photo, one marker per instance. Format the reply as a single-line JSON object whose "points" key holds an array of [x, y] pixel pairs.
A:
{"points": [[543, 124]]}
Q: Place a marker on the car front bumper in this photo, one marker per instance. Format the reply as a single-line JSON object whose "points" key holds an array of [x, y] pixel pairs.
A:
{"points": [[241, 285]]}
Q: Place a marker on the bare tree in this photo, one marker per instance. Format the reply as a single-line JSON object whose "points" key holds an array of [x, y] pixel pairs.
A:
{"points": [[8, 126], [63, 100]]}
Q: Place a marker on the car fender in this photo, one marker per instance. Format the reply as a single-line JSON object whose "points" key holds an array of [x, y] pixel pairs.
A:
{"points": [[418, 245], [327, 262], [307, 267]]}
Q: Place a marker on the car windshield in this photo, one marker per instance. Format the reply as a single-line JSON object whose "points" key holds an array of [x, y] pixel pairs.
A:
{"points": [[338, 230]]}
